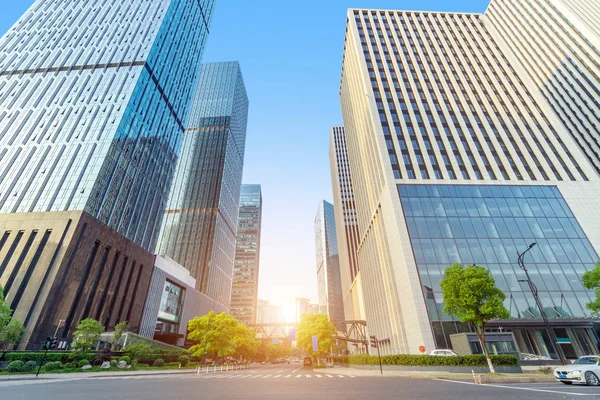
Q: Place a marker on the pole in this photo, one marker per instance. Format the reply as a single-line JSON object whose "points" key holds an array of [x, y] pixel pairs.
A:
{"points": [[379, 354], [41, 363], [58, 327], [539, 305]]}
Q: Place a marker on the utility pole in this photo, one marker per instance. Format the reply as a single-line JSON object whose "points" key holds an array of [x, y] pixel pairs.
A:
{"points": [[375, 343], [534, 291]]}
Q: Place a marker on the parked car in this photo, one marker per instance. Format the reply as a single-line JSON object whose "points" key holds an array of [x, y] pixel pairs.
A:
{"points": [[308, 362], [444, 353], [585, 370]]}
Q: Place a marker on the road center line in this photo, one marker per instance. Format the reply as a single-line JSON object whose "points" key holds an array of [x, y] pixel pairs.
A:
{"points": [[518, 388]]}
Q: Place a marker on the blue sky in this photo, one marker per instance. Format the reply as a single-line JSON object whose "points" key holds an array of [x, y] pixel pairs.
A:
{"points": [[290, 53]]}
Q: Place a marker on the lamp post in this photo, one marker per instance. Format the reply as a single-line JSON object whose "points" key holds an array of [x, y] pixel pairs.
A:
{"points": [[534, 291]]}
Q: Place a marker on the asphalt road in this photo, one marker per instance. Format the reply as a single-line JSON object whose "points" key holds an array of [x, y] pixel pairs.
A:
{"points": [[288, 382]]}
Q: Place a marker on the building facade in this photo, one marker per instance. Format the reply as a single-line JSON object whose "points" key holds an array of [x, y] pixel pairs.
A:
{"points": [[346, 223], [262, 311], [328, 264], [89, 125], [304, 306], [200, 223], [172, 301], [456, 156], [244, 292], [93, 103], [556, 44]]}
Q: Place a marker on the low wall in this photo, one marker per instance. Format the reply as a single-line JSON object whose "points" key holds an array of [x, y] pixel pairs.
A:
{"points": [[446, 369]]}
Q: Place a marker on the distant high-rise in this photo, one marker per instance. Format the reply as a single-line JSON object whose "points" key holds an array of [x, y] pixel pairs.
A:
{"points": [[346, 222], [199, 228], [328, 266], [456, 156], [244, 290], [556, 43], [262, 311], [304, 306], [94, 98]]}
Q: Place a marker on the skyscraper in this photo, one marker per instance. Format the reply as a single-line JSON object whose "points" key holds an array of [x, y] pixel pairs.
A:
{"points": [[328, 265], [199, 228], [244, 290], [456, 156], [346, 223], [556, 44], [94, 102], [94, 97]]}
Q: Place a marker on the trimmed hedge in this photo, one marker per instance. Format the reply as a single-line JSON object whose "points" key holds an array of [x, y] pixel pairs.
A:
{"points": [[426, 360], [37, 356]]}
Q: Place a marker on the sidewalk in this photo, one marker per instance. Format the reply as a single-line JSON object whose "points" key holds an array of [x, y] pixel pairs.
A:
{"points": [[483, 378], [87, 375]]}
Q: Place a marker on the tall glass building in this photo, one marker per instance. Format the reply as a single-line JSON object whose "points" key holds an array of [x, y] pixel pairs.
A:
{"points": [[328, 265], [94, 98], [199, 228], [244, 293], [457, 156]]}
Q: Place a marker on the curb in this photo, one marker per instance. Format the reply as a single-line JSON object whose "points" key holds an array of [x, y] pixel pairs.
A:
{"points": [[483, 379]]}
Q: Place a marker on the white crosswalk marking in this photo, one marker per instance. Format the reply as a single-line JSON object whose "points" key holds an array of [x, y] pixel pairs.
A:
{"points": [[266, 376], [308, 376], [287, 376], [319, 376], [329, 376], [276, 376], [298, 376], [341, 376], [256, 376]]}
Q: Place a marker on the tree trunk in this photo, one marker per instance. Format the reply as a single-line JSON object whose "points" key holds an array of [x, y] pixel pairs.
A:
{"points": [[481, 336]]}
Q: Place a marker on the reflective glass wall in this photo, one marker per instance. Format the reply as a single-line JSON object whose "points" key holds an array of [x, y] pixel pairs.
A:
{"points": [[487, 226]]}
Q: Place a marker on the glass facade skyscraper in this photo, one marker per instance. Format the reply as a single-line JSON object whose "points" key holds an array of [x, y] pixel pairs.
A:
{"points": [[456, 155], [199, 227], [94, 98], [328, 265], [244, 292]]}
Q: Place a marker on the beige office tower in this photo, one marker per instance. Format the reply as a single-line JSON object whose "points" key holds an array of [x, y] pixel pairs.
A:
{"points": [[556, 44], [346, 225], [456, 156]]}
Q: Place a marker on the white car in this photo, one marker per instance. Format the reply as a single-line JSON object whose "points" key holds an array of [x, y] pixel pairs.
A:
{"points": [[443, 353], [584, 370]]}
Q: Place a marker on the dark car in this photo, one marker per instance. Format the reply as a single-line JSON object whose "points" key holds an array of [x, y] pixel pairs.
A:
{"points": [[307, 362]]}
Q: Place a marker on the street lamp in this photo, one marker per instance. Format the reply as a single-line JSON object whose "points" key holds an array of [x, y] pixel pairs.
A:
{"points": [[534, 291]]}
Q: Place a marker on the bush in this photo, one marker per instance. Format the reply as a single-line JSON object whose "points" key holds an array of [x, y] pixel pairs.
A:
{"points": [[70, 365], [30, 366], [83, 363], [113, 363], [425, 360], [126, 359], [546, 370], [159, 362], [184, 360], [53, 366], [15, 366]]}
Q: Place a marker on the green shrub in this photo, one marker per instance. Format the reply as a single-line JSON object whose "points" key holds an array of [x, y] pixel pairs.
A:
{"points": [[83, 363], [62, 356], [127, 359], [113, 363], [70, 365], [15, 366], [53, 366], [159, 362], [30, 366], [426, 360], [184, 360]]}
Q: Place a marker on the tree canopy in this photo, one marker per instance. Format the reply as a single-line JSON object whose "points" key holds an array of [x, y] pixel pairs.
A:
{"points": [[120, 330], [317, 325], [471, 295], [11, 330], [591, 280], [87, 334], [221, 335]]}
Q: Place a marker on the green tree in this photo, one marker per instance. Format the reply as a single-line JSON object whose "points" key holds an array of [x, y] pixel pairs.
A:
{"points": [[137, 352], [120, 330], [87, 334], [471, 295], [275, 351], [11, 330], [591, 280], [245, 342], [217, 334], [317, 325]]}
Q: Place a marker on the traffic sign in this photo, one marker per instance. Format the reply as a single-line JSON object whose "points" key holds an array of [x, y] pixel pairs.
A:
{"points": [[422, 349], [315, 343]]}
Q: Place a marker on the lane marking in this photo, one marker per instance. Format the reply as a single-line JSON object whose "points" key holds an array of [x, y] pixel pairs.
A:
{"points": [[308, 376], [287, 376], [298, 376], [256, 376], [276, 376], [341, 376], [518, 388], [329, 376], [297, 369], [319, 376], [266, 376]]}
